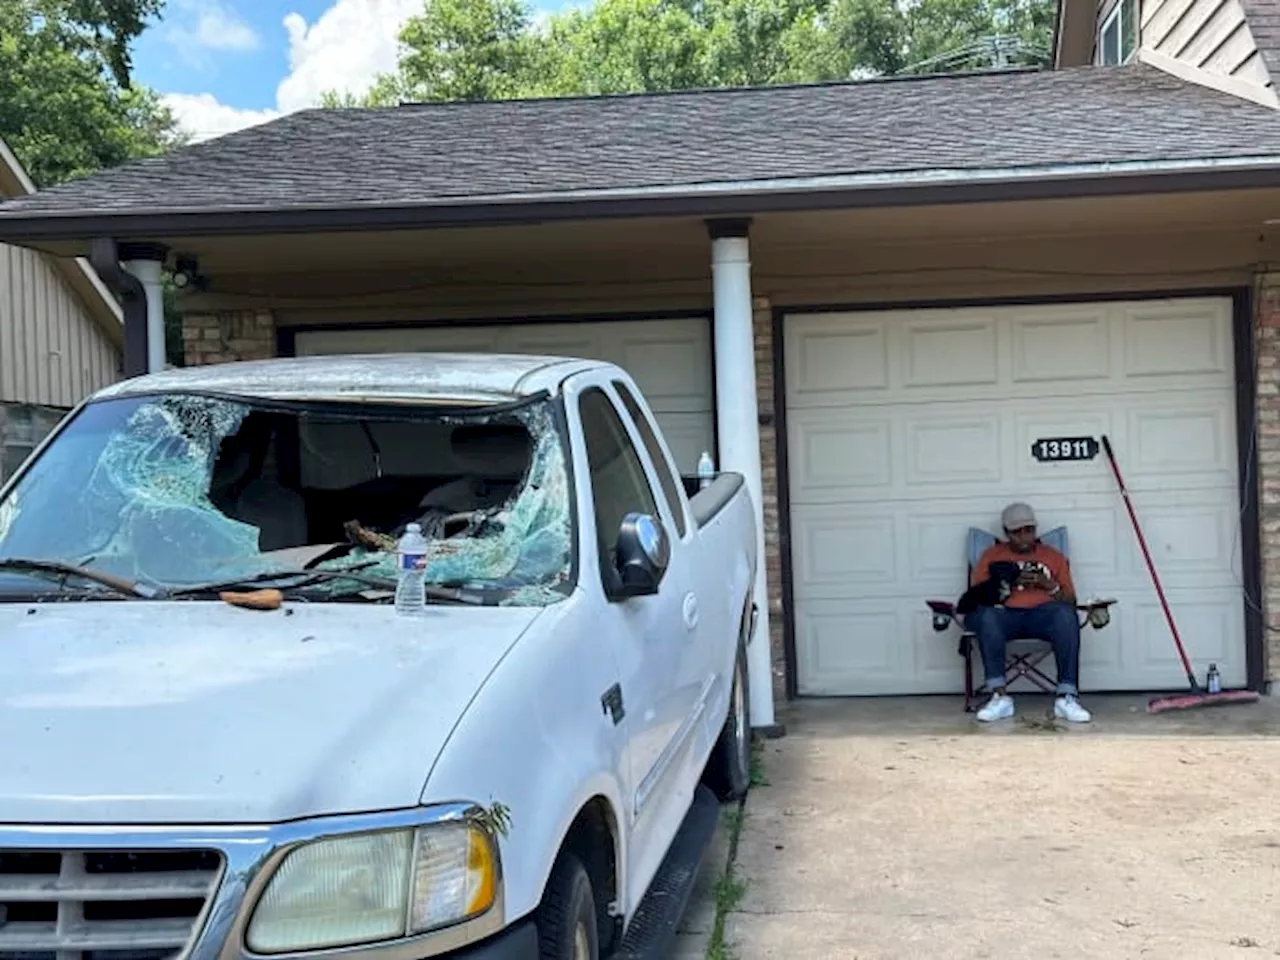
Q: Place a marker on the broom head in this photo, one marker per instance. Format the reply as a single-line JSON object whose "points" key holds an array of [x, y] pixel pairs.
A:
{"points": [[1191, 701]]}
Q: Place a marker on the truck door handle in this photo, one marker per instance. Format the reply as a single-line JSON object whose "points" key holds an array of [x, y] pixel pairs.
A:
{"points": [[690, 611], [612, 703]]}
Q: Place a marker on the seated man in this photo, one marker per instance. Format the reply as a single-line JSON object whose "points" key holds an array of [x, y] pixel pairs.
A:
{"points": [[1041, 606]]}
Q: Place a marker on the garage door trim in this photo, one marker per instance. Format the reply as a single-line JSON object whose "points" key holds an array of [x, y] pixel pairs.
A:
{"points": [[1242, 309]]}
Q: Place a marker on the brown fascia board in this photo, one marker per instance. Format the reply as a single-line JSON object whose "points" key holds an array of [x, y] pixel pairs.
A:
{"points": [[76, 273], [1074, 33], [72, 234]]}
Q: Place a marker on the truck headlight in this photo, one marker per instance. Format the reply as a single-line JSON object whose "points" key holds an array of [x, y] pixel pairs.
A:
{"points": [[375, 886]]}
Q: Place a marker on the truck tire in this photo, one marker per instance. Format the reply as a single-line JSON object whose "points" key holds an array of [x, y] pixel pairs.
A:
{"points": [[566, 919], [729, 769]]}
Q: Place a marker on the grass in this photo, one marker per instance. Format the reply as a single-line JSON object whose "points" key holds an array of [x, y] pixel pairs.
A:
{"points": [[757, 764], [730, 889], [729, 893]]}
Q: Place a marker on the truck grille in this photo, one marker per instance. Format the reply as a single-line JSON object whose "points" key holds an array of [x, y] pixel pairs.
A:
{"points": [[104, 904]]}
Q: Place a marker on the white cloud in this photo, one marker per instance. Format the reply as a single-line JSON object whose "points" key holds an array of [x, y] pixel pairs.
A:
{"points": [[345, 49], [202, 116], [221, 29], [198, 27]]}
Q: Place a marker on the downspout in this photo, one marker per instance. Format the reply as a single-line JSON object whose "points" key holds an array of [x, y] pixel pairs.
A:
{"points": [[139, 289], [104, 257]]}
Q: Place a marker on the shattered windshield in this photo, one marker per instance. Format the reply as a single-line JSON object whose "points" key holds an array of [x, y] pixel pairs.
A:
{"points": [[181, 490]]}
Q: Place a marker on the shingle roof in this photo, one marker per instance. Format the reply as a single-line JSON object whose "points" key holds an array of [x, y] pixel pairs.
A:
{"points": [[422, 154], [1263, 17]]}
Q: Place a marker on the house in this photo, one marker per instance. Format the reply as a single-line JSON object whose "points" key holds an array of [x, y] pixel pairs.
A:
{"points": [[61, 334], [871, 298]]}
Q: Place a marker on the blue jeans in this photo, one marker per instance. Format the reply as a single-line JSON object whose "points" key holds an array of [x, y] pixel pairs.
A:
{"points": [[1055, 622]]}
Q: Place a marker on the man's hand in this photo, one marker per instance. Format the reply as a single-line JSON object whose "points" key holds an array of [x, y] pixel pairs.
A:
{"points": [[1035, 577]]}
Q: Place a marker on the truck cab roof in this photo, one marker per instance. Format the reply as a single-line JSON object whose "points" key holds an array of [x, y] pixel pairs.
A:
{"points": [[454, 377]]}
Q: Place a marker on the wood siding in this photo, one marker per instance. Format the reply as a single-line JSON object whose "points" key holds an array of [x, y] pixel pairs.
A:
{"points": [[51, 351], [1210, 35]]}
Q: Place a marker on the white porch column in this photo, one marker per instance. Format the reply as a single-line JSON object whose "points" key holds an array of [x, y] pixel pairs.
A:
{"points": [[146, 262], [738, 425]]}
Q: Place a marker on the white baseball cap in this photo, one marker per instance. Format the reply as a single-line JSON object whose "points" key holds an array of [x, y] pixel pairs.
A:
{"points": [[1018, 515]]}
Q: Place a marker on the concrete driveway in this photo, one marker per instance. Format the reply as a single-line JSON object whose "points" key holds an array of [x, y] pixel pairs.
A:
{"points": [[900, 828]]}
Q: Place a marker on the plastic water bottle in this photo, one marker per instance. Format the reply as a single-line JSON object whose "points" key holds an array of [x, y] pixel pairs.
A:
{"points": [[1214, 680], [706, 470], [411, 553]]}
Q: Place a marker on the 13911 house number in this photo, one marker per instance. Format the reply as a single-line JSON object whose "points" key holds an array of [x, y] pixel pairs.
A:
{"points": [[1065, 448]]}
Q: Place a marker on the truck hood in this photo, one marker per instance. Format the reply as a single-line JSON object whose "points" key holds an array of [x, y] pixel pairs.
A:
{"points": [[158, 712]]}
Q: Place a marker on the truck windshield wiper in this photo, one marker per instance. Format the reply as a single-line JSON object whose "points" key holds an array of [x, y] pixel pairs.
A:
{"points": [[311, 576], [119, 584]]}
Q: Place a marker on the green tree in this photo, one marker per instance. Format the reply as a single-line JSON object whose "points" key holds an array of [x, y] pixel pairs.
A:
{"points": [[491, 49], [67, 106]]}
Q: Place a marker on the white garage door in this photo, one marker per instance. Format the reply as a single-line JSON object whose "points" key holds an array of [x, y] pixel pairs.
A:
{"points": [[670, 359], [907, 427]]}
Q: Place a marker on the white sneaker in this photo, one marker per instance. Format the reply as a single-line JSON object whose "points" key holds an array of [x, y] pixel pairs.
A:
{"points": [[1068, 708], [999, 707]]}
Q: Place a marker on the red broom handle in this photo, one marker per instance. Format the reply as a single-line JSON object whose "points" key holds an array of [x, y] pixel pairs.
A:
{"points": [[1142, 542]]}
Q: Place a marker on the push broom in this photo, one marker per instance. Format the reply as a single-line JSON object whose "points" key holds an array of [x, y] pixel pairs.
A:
{"points": [[1198, 697]]}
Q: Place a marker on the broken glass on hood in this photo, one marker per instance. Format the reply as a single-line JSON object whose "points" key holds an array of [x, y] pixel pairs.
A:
{"points": [[177, 490]]}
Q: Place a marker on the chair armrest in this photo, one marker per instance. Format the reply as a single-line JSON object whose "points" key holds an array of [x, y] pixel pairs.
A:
{"points": [[1097, 613], [944, 612]]}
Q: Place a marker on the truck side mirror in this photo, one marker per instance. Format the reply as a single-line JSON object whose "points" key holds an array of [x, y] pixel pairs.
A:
{"points": [[643, 553]]}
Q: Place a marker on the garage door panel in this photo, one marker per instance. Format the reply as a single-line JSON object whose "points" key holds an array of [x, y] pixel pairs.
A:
{"points": [[842, 643], [937, 559], [1061, 344], [951, 351], [844, 456], [1194, 542], [926, 459], [1192, 442], [936, 664], [1173, 339], [838, 550], [676, 358], [953, 450], [838, 355], [1208, 623]]}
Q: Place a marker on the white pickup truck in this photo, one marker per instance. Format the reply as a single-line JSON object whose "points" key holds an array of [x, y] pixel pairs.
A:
{"points": [[221, 741]]}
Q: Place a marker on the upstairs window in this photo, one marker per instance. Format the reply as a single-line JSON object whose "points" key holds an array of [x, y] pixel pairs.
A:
{"points": [[1118, 38]]}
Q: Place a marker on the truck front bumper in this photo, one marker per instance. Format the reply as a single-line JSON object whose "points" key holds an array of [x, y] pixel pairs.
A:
{"points": [[518, 942]]}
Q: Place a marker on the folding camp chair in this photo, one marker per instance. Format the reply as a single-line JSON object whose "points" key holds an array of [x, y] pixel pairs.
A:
{"points": [[1023, 655]]}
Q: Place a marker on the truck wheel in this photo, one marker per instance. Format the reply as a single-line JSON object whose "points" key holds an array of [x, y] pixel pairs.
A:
{"points": [[567, 917], [729, 770]]}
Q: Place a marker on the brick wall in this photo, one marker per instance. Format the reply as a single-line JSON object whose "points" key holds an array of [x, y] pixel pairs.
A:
{"points": [[1267, 348], [763, 322], [227, 336]]}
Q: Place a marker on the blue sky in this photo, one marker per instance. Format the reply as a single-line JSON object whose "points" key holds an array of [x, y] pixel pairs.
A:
{"points": [[225, 64]]}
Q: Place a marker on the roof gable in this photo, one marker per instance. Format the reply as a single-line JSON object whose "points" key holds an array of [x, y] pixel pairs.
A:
{"points": [[77, 273]]}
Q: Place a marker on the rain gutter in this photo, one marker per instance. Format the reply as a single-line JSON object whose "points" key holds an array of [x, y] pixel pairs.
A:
{"points": [[713, 199]]}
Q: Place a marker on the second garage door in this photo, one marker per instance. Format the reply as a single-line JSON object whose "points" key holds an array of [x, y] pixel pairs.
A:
{"points": [[905, 428], [670, 359]]}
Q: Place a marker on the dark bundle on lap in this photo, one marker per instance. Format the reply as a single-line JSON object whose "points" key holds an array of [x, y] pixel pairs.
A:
{"points": [[992, 591]]}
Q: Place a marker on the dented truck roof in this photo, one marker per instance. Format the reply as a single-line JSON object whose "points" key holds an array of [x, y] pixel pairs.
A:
{"points": [[455, 377]]}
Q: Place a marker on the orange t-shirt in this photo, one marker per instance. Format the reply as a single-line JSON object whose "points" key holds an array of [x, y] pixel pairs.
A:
{"points": [[1049, 559]]}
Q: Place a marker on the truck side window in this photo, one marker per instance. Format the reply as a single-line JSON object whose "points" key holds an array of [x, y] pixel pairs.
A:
{"points": [[618, 483], [660, 463]]}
